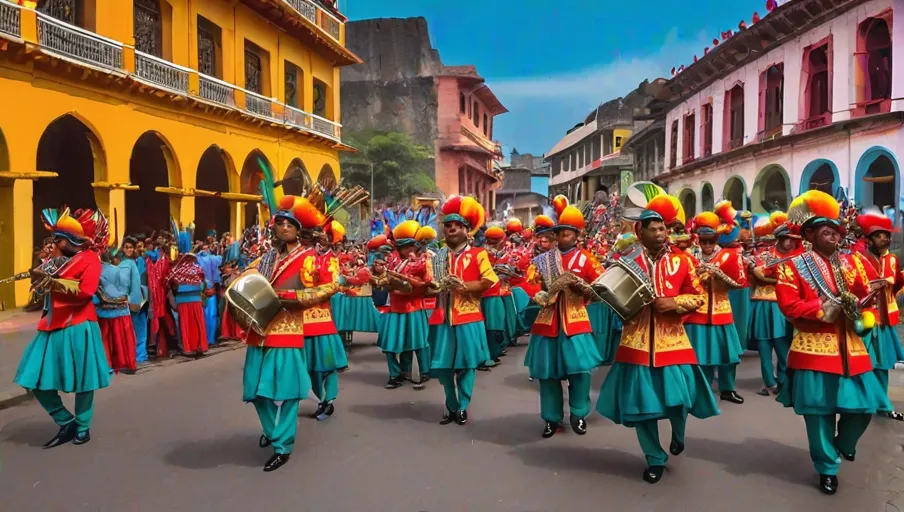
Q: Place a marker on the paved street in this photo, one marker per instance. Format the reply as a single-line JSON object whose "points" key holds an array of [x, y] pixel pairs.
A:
{"points": [[179, 438]]}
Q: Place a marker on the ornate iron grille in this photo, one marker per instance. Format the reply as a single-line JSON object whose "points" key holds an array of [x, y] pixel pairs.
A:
{"points": [[148, 27]]}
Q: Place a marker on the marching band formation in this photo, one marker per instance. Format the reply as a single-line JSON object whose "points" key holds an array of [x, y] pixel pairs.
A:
{"points": [[669, 303]]}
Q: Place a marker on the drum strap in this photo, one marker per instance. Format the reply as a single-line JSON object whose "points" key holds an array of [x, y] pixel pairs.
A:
{"points": [[268, 263], [549, 265]]}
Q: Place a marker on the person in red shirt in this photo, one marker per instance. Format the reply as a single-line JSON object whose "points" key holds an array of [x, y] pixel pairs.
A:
{"points": [[67, 354]]}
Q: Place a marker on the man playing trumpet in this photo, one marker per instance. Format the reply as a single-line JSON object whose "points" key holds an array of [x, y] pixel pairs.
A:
{"points": [[711, 328]]}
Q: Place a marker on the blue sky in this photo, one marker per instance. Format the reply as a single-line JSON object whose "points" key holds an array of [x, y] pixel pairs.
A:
{"points": [[550, 62]]}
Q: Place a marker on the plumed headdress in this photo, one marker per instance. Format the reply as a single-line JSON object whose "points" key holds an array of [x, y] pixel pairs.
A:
{"points": [[335, 231], [812, 209], [873, 222], [707, 224], [465, 210], [286, 210], [514, 226], [378, 241], [542, 224], [569, 217], [494, 233], [405, 233], [425, 235], [665, 208], [84, 227]]}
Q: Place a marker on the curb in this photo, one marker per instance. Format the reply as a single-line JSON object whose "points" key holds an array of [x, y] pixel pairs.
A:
{"points": [[24, 396]]}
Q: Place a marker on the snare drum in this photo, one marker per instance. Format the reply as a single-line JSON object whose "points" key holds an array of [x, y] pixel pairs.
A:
{"points": [[623, 290]]}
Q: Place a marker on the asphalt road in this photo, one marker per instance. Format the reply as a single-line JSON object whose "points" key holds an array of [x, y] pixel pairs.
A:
{"points": [[179, 438]]}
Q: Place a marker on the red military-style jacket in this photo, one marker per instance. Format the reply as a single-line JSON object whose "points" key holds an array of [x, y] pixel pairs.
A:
{"points": [[817, 345], [568, 310], [717, 309], [760, 290], [80, 277], [501, 288], [319, 270], [286, 330], [658, 339], [421, 270], [886, 266], [470, 264]]}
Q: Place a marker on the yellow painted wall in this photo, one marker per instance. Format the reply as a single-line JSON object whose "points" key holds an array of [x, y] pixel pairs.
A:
{"points": [[117, 117], [619, 133]]}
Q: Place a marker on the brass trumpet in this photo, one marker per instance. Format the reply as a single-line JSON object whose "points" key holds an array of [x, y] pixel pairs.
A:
{"points": [[50, 268]]}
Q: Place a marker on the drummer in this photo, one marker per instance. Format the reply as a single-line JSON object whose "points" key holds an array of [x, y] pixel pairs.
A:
{"points": [[561, 345]]}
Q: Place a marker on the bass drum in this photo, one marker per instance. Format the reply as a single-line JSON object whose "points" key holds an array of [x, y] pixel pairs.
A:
{"points": [[254, 303], [623, 290]]}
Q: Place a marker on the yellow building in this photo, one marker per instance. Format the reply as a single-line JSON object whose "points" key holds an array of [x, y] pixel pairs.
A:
{"points": [[157, 108]]}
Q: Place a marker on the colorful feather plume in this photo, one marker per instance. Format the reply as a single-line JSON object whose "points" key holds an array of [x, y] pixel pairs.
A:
{"points": [[267, 185]]}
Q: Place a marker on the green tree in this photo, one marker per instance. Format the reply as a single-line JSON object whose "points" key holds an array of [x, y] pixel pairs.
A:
{"points": [[401, 167]]}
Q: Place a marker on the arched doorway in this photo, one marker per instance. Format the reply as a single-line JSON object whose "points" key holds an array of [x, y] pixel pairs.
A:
{"points": [[878, 178], [327, 178], [771, 190], [152, 165], [821, 175], [688, 201], [7, 230], [736, 192], [70, 149], [707, 199], [249, 183], [296, 181], [212, 213]]}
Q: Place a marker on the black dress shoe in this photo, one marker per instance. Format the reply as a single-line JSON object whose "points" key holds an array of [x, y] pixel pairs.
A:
{"points": [[579, 425], [321, 408], [264, 441], [483, 368], [653, 474], [731, 396], [828, 484], [895, 415], [66, 433], [276, 461], [82, 438], [497, 360], [847, 456], [461, 417], [550, 430], [676, 448], [448, 417], [327, 412], [393, 383]]}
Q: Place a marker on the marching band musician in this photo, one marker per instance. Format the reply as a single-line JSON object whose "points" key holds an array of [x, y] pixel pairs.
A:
{"points": [[275, 362], [67, 353], [356, 311], [711, 328], [769, 328], [655, 375], [885, 346], [461, 274], [320, 271], [513, 246], [186, 282], [829, 367], [562, 346], [543, 240], [735, 239], [426, 238], [519, 260], [403, 330], [495, 313]]}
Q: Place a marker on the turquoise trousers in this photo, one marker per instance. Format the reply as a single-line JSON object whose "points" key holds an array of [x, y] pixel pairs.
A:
{"points": [[278, 422], [781, 347], [53, 404], [458, 386], [648, 436], [401, 363], [552, 402], [825, 446], [726, 376], [325, 385]]}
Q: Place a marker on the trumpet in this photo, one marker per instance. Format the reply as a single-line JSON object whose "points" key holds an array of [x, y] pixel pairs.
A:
{"points": [[50, 268], [715, 271]]}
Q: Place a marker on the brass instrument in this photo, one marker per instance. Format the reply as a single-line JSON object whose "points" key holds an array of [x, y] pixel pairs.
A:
{"points": [[507, 271], [708, 269], [50, 268]]}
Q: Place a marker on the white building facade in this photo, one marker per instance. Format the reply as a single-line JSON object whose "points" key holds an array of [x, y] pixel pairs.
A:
{"points": [[809, 97]]}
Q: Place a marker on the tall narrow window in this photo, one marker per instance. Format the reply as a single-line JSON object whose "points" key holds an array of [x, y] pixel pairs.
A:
{"points": [[706, 124], [253, 68], [873, 65], [772, 85], [476, 114], [209, 48], [817, 76], [733, 127], [148, 29], [293, 85], [319, 98], [486, 125], [689, 136], [67, 11], [673, 145], [461, 103]]}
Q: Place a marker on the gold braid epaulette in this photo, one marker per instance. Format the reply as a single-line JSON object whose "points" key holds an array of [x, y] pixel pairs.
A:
{"points": [[688, 303]]}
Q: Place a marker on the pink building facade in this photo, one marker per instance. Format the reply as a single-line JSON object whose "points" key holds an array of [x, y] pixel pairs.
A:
{"points": [[819, 104], [465, 150]]}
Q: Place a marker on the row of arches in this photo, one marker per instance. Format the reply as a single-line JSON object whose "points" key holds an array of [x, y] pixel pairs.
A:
{"points": [[877, 181], [69, 147]]}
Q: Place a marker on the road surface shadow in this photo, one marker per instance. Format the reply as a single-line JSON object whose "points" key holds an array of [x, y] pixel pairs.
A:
{"points": [[755, 456], [422, 411], [521, 381], [753, 384], [556, 457], [31, 434], [512, 430], [371, 378], [366, 353], [236, 450]]}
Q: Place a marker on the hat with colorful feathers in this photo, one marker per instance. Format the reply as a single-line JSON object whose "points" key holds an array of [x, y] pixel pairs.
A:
{"points": [[405, 233], [874, 221], [665, 208], [335, 231], [514, 226], [286, 210], [707, 224], [494, 232], [569, 217], [378, 241], [813, 209], [542, 224], [425, 235], [80, 228], [466, 211]]}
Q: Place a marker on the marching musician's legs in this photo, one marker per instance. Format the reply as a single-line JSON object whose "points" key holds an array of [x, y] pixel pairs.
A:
{"points": [[317, 384], [727, 374], [395, 367], [283, 433], [447, 379], [423, 360], [465, 380], [710, 373], [850, 428], [579, 401], [53, 404], [84, 410], [678, 420], [821, 436], [648, 437], [266, 412], [551, 401], [782, 347], [765, 347], [330, 386]]}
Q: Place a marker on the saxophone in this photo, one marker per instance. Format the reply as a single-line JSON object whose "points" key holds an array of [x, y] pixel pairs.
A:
{"points": [[708, 271]]}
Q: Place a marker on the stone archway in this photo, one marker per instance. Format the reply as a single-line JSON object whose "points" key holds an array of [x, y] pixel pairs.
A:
{"points": [[688, 200], [878, 178], [71, 149], [153, 164], [736, 191], [707, 198], [212, 213], [297, 180], [249, 183], [820, 174], [771, 190]]}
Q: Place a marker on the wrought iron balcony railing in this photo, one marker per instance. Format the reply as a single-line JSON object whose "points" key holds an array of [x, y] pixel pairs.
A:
{"points": [[79, 44], [313, 123], [10, 19], [216, 91], [161, 73]]}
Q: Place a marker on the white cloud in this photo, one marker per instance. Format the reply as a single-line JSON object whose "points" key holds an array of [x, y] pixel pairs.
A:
{"points": [[604, 82]]}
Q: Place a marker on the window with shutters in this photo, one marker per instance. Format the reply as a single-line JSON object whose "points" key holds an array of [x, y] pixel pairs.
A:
{"points": [[486, 124], [210, 44], [253, 68], [816, 81], [873, 65], [673, 145], [772, 85], [687, 154], [461, 103], [476, 114], [148, 27], [706, 128], [294, 85], [319, 98], [733, 123]]}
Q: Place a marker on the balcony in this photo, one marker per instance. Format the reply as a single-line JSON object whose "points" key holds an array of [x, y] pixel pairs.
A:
{"points": [[216, 91], [161, 73], [259, 105], [10, 20], [313, 12], [71, 42], [312, 123]]}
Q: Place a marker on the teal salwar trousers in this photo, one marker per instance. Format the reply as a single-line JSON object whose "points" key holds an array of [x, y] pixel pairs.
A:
{"points": [[724, 373], [52, 403], [458, 386], [825, 447], [552, 402], [325, 385], [279, 422], [401, 363], [648, 435], [781, 347]]}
